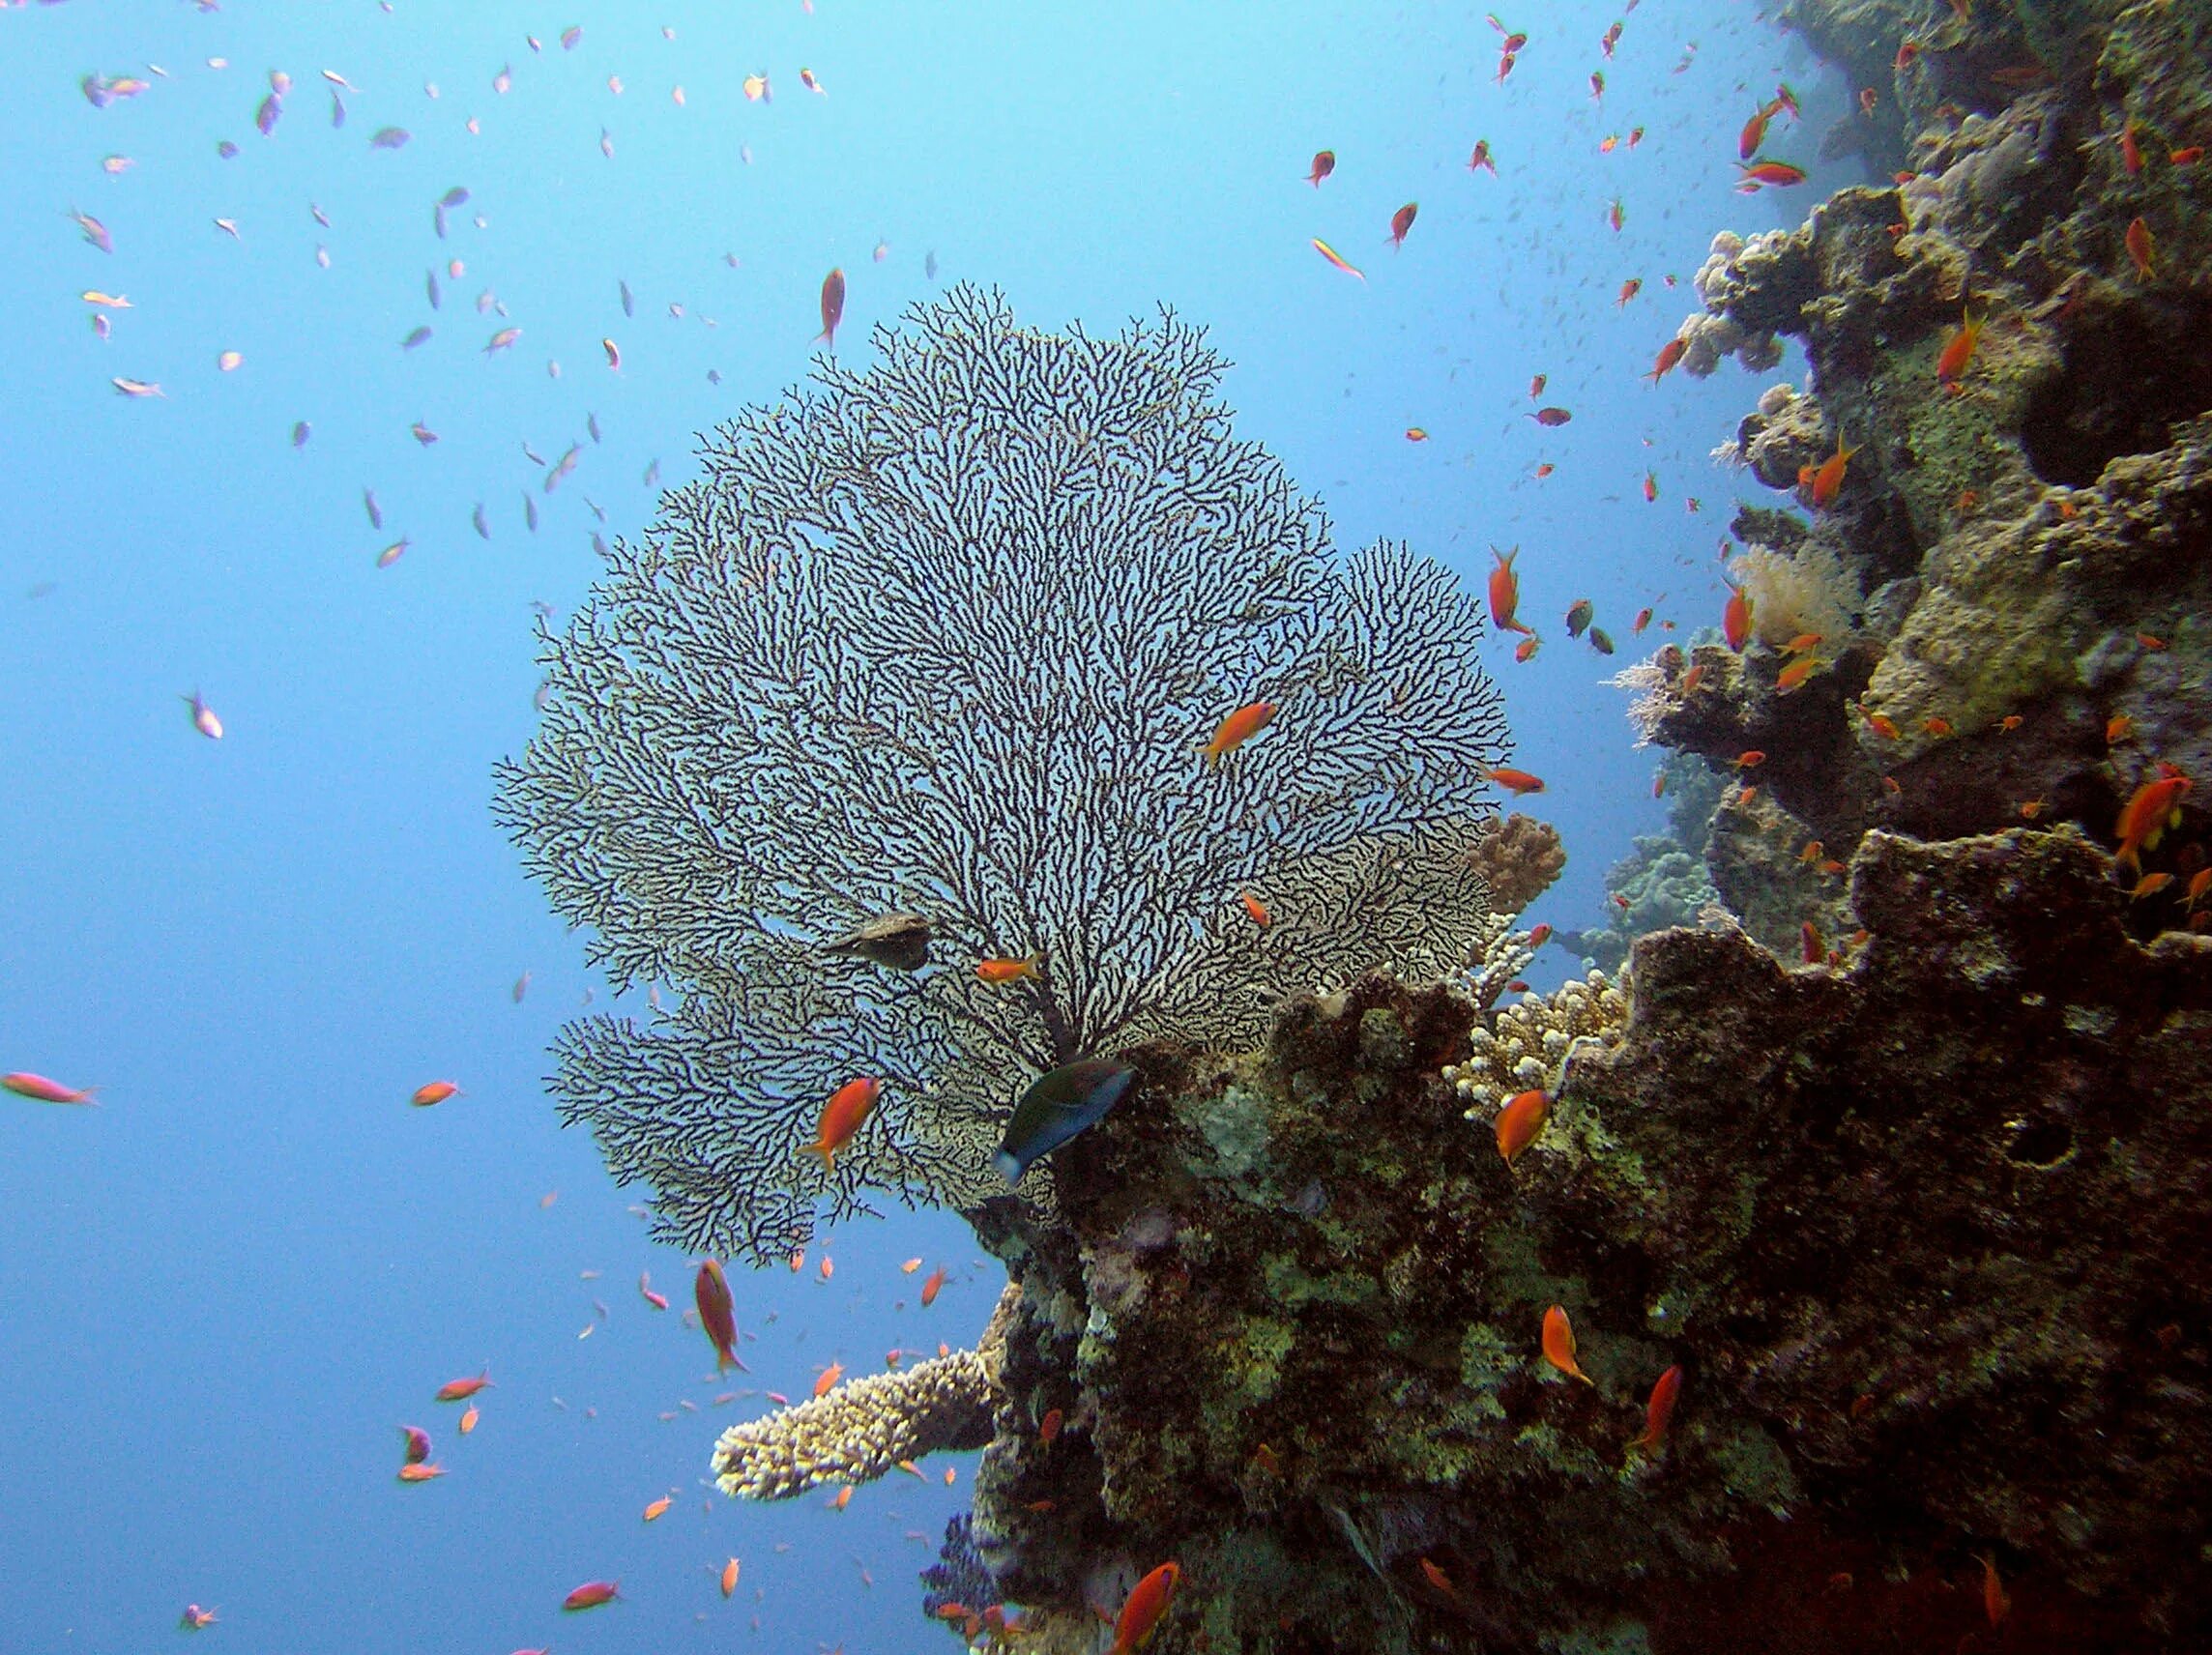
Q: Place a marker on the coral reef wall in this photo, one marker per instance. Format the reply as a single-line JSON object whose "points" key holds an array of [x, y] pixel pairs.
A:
{"points": [[1924, 1234]]}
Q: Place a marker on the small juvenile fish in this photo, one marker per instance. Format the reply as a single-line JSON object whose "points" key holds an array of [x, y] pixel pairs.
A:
{"points": [[136, 388], [374, 510], [204, 719], [1324, 163], [388, 138], [300, 432], [808, 79], [484, 532], [422, 433], [502, 340], [614, 354], [658, 1301]]}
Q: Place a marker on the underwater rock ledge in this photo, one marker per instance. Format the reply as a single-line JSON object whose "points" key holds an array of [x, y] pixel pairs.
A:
{"points": [[1925, 1232]]}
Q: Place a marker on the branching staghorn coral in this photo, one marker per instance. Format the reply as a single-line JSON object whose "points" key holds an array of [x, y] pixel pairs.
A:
{"points": [[944, 637], [861, 1430]]}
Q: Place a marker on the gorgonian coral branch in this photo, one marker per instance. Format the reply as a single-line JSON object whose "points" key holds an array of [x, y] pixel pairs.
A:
{"points": [[944, 636]]}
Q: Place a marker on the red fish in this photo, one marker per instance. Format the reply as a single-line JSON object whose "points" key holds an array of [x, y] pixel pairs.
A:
{"points": [[1400, 222], [1144, 1608], [24, 1083], [832, 308], [933, 1286], [590, 1595], [1997, 1601], [999, 969], [435, 1091], [1049, 1427], [1735, 619], [1479, 159], [418, 1443], [1776, 174], [1559, 1345], [460, 1390], [1670, 353], [717, 1313], [1551, 416], [1520, 1120], [1257, 909], [1324, 163], [1650, 486], [841, 1117], [1629, 289], [827, 1380], [1660, 1408], [2139, 247], [1239, 727], [1753, 132], [1517, 781], [2151, 810], [1505, 592], [1536, 386], [1437, 1579], [1951, 365]]}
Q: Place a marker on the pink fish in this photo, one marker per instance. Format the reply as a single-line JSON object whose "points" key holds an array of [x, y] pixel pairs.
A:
{"points": [[204, 719], [24, 1083]]}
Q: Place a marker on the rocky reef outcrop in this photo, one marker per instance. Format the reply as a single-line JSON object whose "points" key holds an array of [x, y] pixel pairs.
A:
{"points": [[1923, 1233]]}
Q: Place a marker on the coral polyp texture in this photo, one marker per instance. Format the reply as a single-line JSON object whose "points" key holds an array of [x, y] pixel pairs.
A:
{"points": [[863, 1428], [1922, 1234], [944, 637]]}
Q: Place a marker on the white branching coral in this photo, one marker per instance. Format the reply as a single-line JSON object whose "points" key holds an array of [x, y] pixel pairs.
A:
{"points": [[943, 638], [1528, 1043]]}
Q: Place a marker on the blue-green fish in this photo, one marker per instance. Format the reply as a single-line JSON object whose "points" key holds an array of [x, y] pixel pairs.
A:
{"points": [[1070, 1100]]}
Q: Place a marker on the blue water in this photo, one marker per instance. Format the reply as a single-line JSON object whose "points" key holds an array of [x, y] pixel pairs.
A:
{"points": [[222, 1289]]}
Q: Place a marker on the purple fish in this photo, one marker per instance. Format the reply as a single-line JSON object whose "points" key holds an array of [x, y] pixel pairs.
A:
{"points": [[94, 230], [337, 110], [388, 138], [265, 117]]}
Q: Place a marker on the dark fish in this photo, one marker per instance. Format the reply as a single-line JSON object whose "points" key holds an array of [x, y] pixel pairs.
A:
{"points": [[652, 474], [337, 110], [600, 544], [717, 1314], [300, 431], [388, 138], [419, 335], [438, 221], [591, 425], [1578, 616], [265, 117], [453, 197], [628, 304], [226, 148], [374, 510], [530, 511], [929, 264], [832, 308], [1067, 1101], [484, 532], [899, 941], [1600, 641]]}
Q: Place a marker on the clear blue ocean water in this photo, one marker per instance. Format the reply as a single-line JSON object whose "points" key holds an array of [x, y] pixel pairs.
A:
{"points": [[224, 1288]]}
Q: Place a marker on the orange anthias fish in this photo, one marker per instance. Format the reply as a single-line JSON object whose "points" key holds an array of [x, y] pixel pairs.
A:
{"points": [[1735, 619], [1775, 174], [1829, 478], [1144, 1608], [729, 1577], [1753, 132], [23, 1084], [427, 1471], [1337, 259], [1400, 222], [1479, 159], [1437, 1578], [1629, 289], [469, 1418], [1520, 1120], [826, 1381], [1517, 781], [436, 1091], [1559, 1345], [1660, 1409], [2141, 248], [999, 969], [590, 1595], [1505, 592], [1951, 365], [1324, 163], [933, 1286], [659, 1509], [832, 308], [841, 1117], [718, 1314], [1239, 727], [1257, 909], [2151, 810], [1997, 1601], [460, 1390], [1670, 353]]}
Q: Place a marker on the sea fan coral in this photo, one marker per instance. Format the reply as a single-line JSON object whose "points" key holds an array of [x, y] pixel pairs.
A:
{"points": [[944, 637]]}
